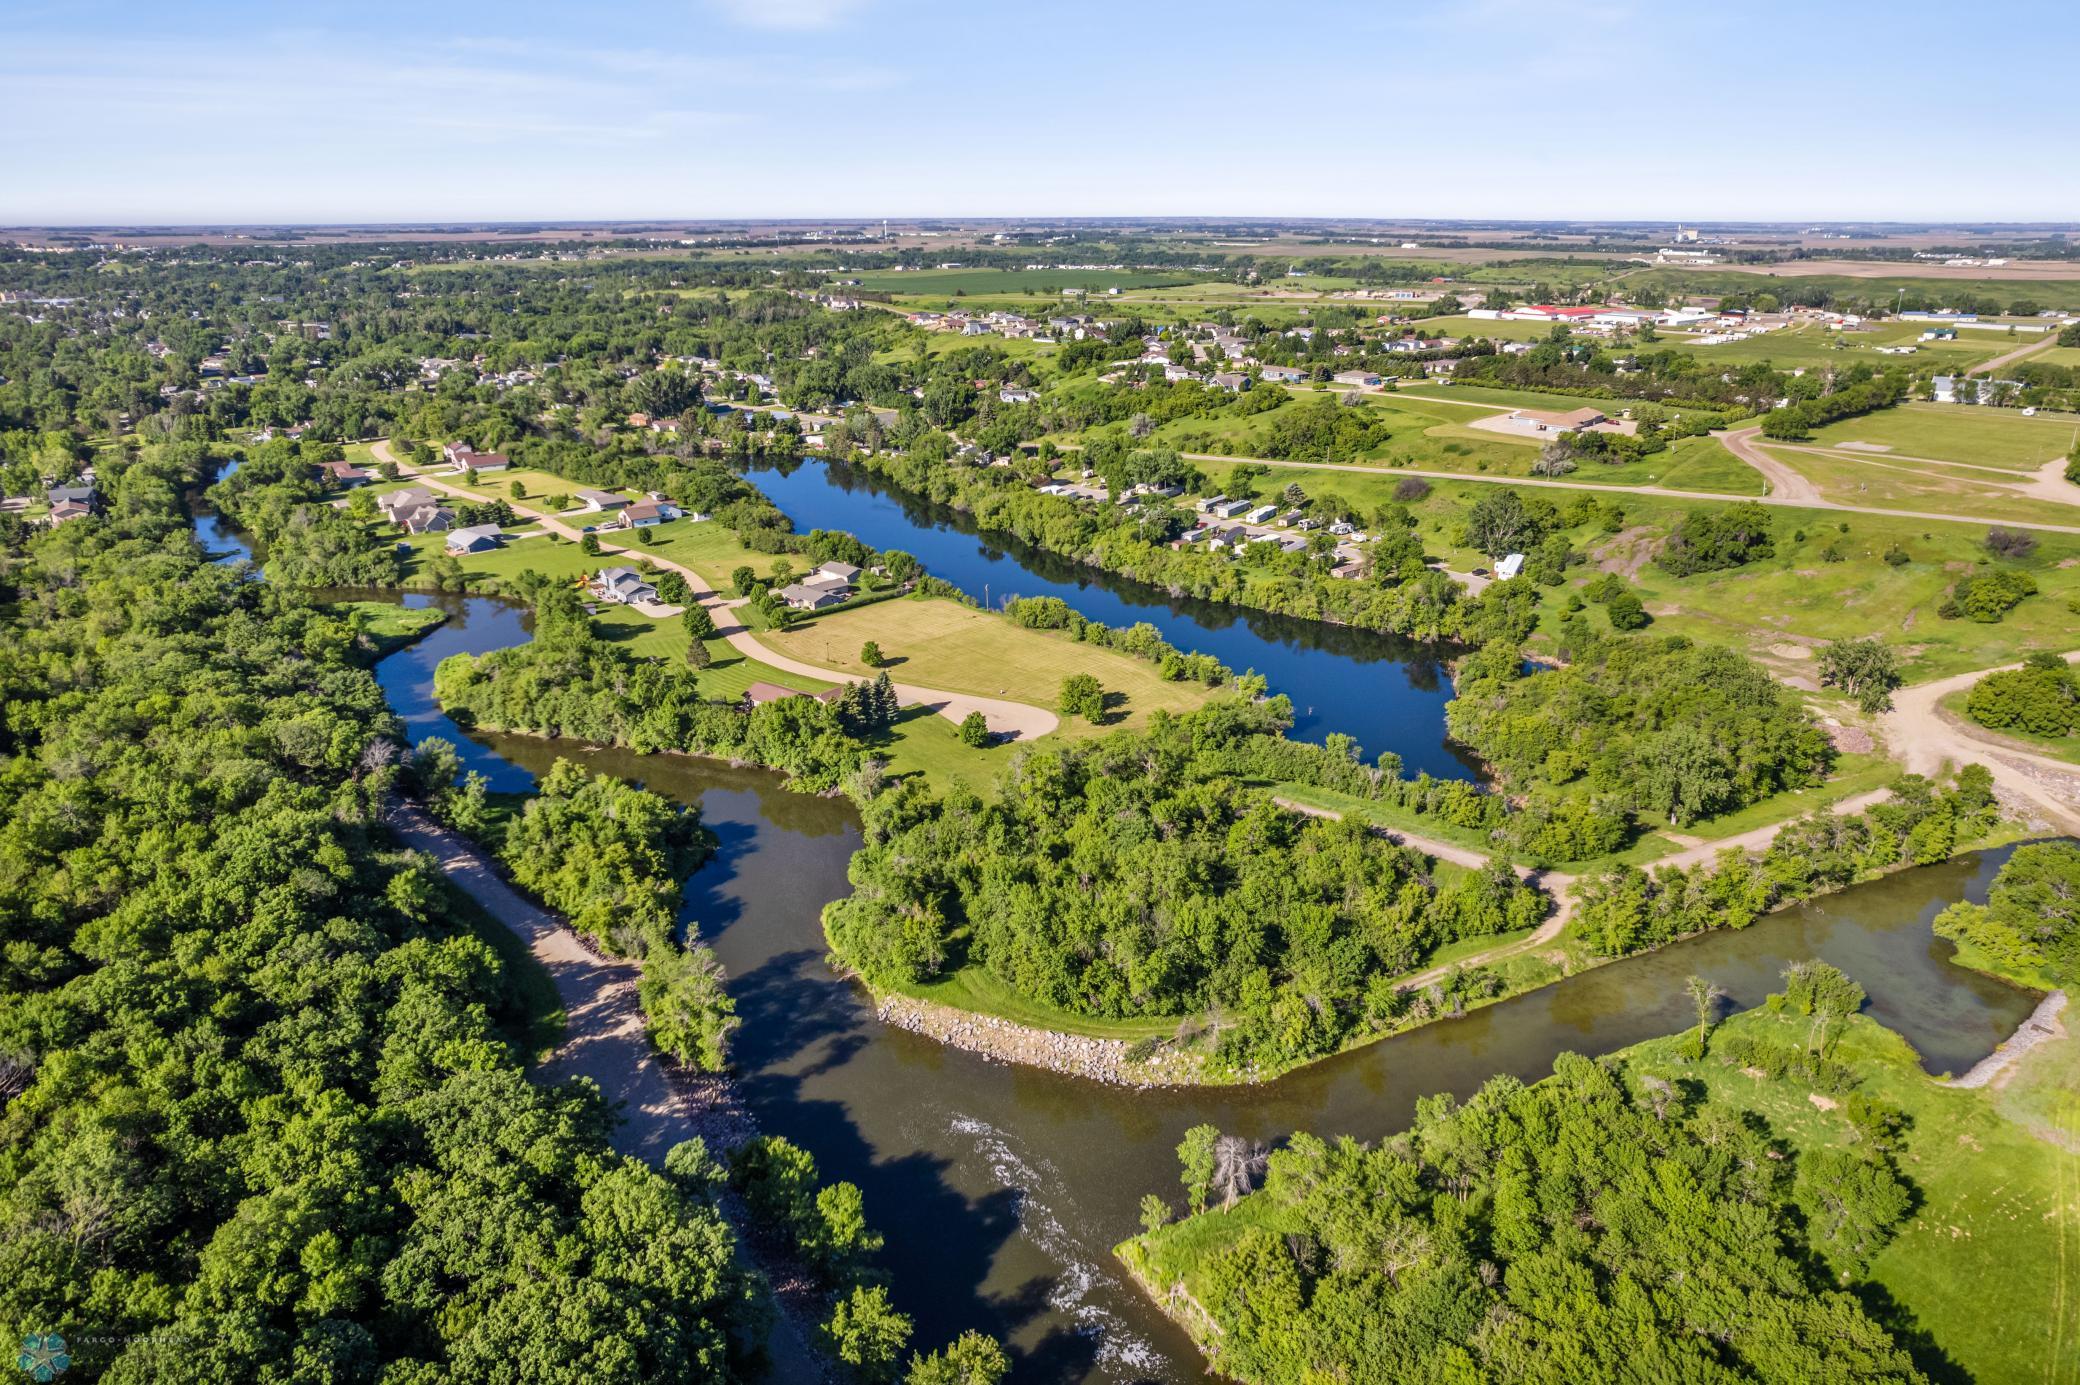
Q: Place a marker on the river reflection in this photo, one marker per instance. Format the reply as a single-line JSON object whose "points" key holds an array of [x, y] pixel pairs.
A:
{"points": [[1389, 693]]}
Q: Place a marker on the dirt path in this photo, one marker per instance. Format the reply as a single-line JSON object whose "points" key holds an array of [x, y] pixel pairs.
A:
{"points": [[1786, 484], [1014, 720], [1925, 737], [604, 1040]]}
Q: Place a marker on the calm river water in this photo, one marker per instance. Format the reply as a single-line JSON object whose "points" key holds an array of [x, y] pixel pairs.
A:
{"points": [[1002, 1189], [1389, 693]]}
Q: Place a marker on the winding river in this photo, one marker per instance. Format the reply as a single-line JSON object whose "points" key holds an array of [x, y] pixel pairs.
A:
{"points": [[1001, 1189], [1390, 693]]}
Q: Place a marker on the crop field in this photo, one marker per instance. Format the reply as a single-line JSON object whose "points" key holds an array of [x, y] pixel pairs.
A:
{"points": [[1959, 433]]}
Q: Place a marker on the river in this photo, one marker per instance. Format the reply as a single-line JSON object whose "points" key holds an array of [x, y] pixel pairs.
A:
{"points": [[1002, 1189], [1389, 693]]}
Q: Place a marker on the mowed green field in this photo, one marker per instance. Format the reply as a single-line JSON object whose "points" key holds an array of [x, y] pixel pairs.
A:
{"points": [[1812, 345], [1927, 487], [942, 644], [1959, 433]]}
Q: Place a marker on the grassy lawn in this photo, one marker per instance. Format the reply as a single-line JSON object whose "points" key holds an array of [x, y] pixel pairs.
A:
{"points": [[1703, 464], [1949, 432], [942, 644], [387, 625]]}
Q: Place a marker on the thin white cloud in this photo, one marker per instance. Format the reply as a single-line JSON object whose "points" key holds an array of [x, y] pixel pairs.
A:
{"points": [[792, 16]]}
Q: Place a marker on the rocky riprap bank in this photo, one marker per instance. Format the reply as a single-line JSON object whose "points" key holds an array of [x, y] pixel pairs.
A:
{"points": [[1098, 1060]]}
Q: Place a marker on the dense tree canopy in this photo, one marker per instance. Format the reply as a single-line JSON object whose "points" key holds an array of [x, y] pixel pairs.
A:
{"points": [[1133, 876]]}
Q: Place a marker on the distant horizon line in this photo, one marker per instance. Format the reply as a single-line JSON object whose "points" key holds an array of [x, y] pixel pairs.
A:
{"points": [[1474, 222]]}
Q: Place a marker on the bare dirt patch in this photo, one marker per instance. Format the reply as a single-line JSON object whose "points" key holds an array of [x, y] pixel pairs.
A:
{"points": [[1626, 551], [1787, 650]]}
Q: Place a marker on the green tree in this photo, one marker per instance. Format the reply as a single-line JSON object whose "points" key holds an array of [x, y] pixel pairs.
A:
{"points": [[742, 580], [1704, 999], [974, 731], [1867, 670], [867, 1333], [1195, 1153], [870, 654], [699, 623], [589, 544], [690, 1015], [517, 491], [970, 1359], [1081, 696]]}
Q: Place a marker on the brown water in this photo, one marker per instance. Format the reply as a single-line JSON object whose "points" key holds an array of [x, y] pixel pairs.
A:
{"points": [[1002, 1189]]}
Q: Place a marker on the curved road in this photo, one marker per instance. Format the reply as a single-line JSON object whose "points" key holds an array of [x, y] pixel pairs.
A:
{"points": [[1924, 736], [1017, 720]]}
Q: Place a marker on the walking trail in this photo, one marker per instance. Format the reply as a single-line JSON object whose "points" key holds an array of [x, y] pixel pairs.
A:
{"points": [[1016, 720]]}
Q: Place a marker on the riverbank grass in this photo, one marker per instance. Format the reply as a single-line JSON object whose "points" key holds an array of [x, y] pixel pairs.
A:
{"points": [[1994, 1170], [387, 626]]}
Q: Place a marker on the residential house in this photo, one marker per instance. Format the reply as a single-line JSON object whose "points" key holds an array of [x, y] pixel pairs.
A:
{"points": [[475, 538], [344, 473], [1282, 374], [1231, 381], [76, 495], [1509, 567], [1232, 537], [1363, 379], [845, 574], [1017, 395], [1229, 509], [426, 519], [802, 597], [1261, 515], [597, 502], [69, 509], [1205, 506], [483, 463], [623, 585], [644, 514]]}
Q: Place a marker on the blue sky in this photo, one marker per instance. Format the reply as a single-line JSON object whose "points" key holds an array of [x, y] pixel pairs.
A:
{"points": [[363, 111]]}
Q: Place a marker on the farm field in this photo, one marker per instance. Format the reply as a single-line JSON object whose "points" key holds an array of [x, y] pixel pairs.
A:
{"points": [[1959, 433], [943, 644]]}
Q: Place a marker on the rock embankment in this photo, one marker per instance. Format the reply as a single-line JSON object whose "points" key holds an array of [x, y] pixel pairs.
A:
{"points": [[1096, 1060], [2041, 1027]]}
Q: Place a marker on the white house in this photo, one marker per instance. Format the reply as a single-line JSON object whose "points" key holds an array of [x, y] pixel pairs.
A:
{"points": [[623, 585], [474, 539], [1509, 567]]}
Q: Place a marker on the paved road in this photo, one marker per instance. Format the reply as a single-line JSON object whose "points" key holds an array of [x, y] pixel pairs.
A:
{"points": [[1016, 720], [1926, 737]]}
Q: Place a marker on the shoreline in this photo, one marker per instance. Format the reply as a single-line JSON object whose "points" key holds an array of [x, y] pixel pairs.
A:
{"points": [[2041, 1027]]}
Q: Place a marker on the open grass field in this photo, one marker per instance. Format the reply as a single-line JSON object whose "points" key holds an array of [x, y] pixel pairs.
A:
{"points": [[1851, 479], [2067, 356], [1814, 346], [1950, 432], [1877, 284], [1986, 1264], [943, 644]]}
